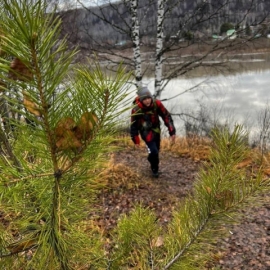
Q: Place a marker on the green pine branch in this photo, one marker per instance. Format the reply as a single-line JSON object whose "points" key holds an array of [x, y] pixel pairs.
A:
{"points": [[221, 189], [70, 116], [48, 173]]}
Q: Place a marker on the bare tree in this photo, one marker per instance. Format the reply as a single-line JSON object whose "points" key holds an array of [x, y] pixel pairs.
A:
{"points": [[161, 32]]}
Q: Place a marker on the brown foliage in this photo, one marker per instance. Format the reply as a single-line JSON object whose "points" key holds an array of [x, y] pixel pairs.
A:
{"points": [[70, 136], [66, 123], [30, 105], [245, 163], [19, 71], [225, 198], [84, 128], [195, 147], [68, 141], [65, 137]]}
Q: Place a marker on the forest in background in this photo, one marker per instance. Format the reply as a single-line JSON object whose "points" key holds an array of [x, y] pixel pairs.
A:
{"points": [[146, 37], [86, 27]]}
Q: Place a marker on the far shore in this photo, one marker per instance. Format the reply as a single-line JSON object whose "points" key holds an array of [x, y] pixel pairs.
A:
{"points": [[250, 56]]}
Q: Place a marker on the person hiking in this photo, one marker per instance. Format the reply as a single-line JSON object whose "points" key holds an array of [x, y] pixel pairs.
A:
{"points": [[145, 122]]}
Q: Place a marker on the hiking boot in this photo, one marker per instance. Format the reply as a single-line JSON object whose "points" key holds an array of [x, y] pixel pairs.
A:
{"points": [[155, 173]]}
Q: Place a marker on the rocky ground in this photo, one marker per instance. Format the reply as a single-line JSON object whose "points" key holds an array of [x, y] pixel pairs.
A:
{"points": [[247, 245]]}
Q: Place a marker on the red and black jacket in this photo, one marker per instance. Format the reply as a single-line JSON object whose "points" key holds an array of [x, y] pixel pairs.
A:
{"points": [[145, 120]]}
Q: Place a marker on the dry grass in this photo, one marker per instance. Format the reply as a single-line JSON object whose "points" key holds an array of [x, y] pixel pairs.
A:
{"points": [[195, 147], [119, 175]]}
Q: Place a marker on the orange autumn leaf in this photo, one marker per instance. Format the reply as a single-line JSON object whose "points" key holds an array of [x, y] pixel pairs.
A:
{"points": [[64, 124], [30, 105], [85, 126], [68, 142]]}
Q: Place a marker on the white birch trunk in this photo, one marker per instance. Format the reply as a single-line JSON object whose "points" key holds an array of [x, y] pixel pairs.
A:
{"points": [[159, 48], [136, 42]]}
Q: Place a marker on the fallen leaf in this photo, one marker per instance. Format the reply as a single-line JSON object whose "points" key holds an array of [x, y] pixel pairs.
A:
{"points": [[158, 242]]}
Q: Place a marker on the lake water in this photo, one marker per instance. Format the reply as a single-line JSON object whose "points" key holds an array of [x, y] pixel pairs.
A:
{"points": [[227, 99]]}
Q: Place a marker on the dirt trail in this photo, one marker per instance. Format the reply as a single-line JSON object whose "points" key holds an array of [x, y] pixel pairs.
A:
{"points": [[248, 244]]}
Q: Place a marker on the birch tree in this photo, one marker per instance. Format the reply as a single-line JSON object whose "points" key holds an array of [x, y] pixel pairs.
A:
{"points": [[159, 47], [136, 42], [180, 27]]}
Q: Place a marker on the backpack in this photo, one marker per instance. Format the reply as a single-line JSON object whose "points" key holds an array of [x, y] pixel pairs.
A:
{"points": [[148, 124]]}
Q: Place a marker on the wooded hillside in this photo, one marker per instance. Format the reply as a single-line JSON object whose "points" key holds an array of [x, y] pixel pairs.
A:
{"points": [[86, 27]]}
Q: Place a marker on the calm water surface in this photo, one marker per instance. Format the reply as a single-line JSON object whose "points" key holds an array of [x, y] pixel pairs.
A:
{"points": [[234, 99]]}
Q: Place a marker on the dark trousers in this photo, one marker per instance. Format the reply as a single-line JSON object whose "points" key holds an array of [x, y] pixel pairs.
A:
{"points": [[153, 150]]}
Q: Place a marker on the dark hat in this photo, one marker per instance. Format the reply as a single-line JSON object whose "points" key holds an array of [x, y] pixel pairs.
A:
{"points": [[143, 93]]}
